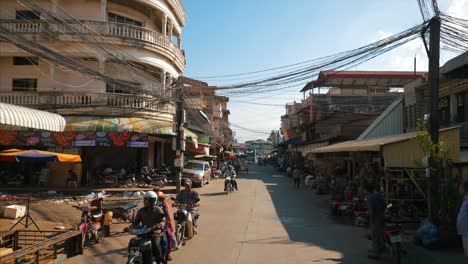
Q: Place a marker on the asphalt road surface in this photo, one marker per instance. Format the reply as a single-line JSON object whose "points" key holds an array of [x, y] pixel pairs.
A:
{"points": [[267, 221]]}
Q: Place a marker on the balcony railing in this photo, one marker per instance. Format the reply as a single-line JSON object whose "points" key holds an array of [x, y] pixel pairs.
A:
{"points": [[45, 100], [88, 27]]}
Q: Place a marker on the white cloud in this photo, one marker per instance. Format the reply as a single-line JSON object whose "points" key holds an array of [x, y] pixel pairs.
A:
{"points": [[458, 8]]}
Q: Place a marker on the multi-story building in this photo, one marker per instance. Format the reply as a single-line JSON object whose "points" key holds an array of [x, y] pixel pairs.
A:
{"points": [[105, 65], [222, 132]]}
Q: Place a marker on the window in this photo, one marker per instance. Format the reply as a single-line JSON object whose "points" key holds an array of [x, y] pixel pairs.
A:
{"points": [[123, 87], [25, 61], [22, 85], [111, 17], [22, 14]]}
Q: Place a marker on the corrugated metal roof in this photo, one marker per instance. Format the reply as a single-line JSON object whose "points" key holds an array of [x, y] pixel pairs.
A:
{"points": [[390, 122], [381, 78], [369, 144], [20, 116]]}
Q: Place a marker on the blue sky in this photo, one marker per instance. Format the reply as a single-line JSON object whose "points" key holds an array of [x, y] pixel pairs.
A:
{"points": [[234, 36]]}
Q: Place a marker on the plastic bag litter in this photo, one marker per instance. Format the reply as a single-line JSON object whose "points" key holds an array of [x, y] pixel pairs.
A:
{"points": [[138, 194], [427, 234], [90, 196]]}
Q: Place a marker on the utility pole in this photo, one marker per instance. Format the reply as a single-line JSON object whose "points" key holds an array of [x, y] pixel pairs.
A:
{"points": [[179, 161], [434, 124]]}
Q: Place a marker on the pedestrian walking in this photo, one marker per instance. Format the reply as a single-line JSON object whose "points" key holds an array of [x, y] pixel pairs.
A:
{"points": [[376, 209], [297, 176], [462, 219]]}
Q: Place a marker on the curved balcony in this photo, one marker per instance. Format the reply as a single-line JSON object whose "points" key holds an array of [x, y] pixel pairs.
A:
{"points": [[50, 29], [87, 102]]}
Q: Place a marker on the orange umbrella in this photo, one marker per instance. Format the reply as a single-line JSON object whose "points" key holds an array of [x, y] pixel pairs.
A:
{"points": [[16, 155]]}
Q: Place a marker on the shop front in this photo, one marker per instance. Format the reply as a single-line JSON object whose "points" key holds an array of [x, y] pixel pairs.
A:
{"points": [[102, 142]]}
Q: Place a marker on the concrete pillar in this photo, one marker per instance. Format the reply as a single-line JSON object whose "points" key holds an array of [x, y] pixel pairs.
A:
{"points": [[164, 25], [163, 79], [453, 108], [171, 28], [103, 10], [179, 41], [151, 154]]}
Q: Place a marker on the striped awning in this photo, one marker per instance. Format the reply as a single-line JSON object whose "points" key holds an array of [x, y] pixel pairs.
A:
{"points": [[24, 117], [118, 124]]}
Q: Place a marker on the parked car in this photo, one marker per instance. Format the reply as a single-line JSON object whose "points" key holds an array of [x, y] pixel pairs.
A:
{"points": [[198, 171]]}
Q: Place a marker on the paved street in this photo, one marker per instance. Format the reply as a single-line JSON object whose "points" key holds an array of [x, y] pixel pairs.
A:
{"points": [[267, 221]]}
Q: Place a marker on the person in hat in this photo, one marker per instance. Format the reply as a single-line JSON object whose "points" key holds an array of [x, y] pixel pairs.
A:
{"points": [[190, 197]]}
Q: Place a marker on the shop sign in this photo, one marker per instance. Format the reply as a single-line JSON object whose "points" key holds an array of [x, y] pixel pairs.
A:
{"points": [[196, 150], [47, 139], [64, 138], [85, 139], [138, 141], [28, 138], [103, 139], [120, 139], [8, 138]]}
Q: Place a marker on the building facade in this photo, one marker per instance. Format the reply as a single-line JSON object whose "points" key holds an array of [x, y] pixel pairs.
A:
{"points": [[105, 65]]}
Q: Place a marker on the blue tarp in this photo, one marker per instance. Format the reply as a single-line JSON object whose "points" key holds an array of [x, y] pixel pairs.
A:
{"points": [[293, 141], [34, 156]]}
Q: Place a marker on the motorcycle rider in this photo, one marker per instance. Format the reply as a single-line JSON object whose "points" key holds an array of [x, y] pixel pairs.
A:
{"points": [[231, 173], [152, 216], [168, 228], [190, 197], [97, 205]]}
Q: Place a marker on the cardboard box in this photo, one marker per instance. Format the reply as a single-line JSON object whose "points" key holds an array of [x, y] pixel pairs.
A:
{"points": [[14, 211]]}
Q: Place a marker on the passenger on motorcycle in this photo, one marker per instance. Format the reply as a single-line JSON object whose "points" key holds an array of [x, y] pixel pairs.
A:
{"points": [[152, 216], [168, 228], [190, 197], [230, 173]]}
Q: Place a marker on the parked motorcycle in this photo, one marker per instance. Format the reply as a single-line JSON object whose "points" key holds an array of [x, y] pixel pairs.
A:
{"points": [[117, 178], [149, 176], [184, 223], [392, 235], [91, 224], [140, 247]]}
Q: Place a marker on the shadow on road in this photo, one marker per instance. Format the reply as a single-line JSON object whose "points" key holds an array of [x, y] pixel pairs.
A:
{"points": [[306, 219], [214, 194]]}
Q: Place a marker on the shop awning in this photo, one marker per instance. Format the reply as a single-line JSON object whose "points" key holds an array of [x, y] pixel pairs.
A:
{"points": [[118, 124], [293, 141], [19, 116], [363, 145], [374, 144]]}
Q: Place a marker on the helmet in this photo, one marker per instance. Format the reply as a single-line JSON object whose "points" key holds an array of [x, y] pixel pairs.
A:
{"points": [[151, 195], [161, 195], [188, 182]]}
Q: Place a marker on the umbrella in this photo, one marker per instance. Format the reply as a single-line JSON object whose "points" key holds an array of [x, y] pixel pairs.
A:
{"points": [[205, 156], [229, 155], [16, 155]]}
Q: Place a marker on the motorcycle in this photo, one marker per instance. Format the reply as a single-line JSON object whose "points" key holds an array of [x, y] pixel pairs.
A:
{"points": [[117, 178], [228, 183], [149, 176], [392, 236], [184, 223], [140, 248], [90, 226]]}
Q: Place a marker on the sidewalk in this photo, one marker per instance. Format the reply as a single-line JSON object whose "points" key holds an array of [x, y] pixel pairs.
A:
{"points": [[79, 190]]}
